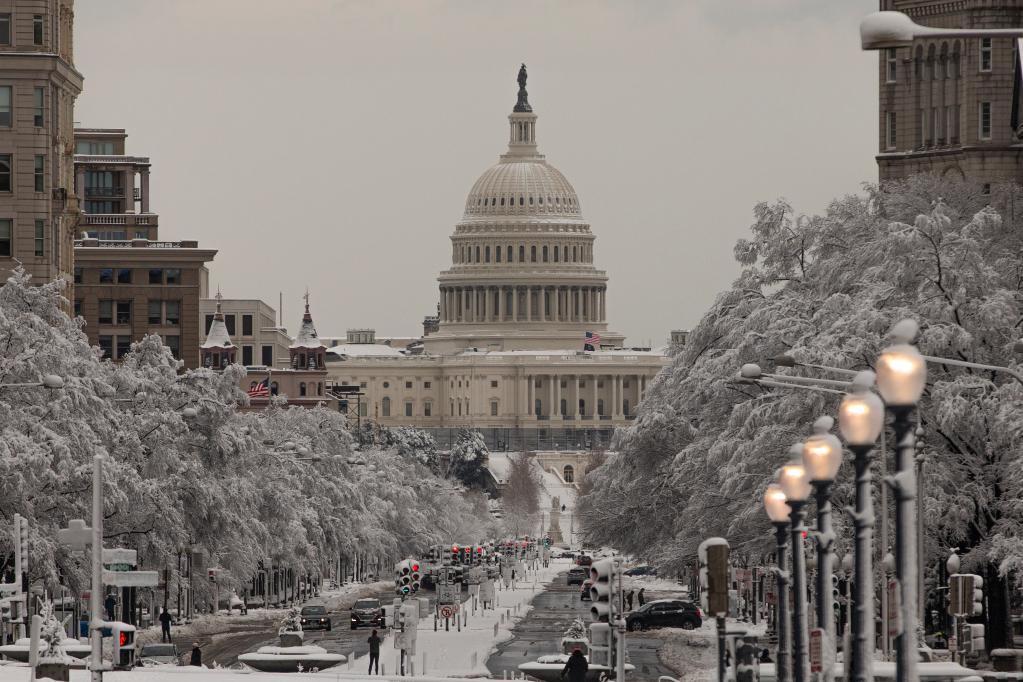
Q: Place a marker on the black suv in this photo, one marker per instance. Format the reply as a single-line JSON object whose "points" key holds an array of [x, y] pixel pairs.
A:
{"points": [[577, 575], [367, 612], [665, 613], [315, 618]]}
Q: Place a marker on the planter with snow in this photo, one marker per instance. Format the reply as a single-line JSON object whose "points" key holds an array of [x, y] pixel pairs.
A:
{"points": [[291, 659], [548, 669], [19, 650]]}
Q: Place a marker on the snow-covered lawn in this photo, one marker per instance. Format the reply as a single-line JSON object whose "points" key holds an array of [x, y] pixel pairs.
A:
{"points": [[692, 654]]}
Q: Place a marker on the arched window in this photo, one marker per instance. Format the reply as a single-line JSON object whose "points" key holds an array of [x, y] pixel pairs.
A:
{"points": [[273, 388], [544, 254], [301, 388], [477, 254], [522, 201], [600, 406], [530, 200], [532, 253], [497, 253], [582, 407], [502, 201], [537, 407], [493, 408], [556, 254], [462, 259], [385, 407], [575, 254], [540, 199], [522, 253], [568, 474], [486, 254]]}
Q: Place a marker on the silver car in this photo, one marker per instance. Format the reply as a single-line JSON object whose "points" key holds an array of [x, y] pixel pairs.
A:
{"points": [[160, 654]]}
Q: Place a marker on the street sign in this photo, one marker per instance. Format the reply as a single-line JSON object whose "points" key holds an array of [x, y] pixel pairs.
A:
{"points": [[120, 555], [131, 578], [816, 650], [447, 611]]}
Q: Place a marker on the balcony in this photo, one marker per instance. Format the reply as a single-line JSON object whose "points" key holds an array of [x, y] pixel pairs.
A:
{"points": [[104, 192], [126, 219]]}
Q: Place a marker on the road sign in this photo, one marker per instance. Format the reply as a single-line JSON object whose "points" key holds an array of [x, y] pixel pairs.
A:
{"points": [[120, 555], [447, 611], [131, 578], [816, 650]]}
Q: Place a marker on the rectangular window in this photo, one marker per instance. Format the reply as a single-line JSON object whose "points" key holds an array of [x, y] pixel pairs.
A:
{"points": [[246, 325], [106, 312], [985, 54], [106, 344], [78, 275], [39, 172], [156, 276], [427, 409], [173, 342], [37, 110], [5, 173], [246, 355], [408, 384], [5, 236], [493, 408], [123, 312], [408, 408], [155, 312], [172, 312], [889, 134], [173, 276], [37, 29], [6, 118], [40, 241], [268, 356], [427, 384], [493, 383], [891, 65], [123, 346], [229, 323], [124, 276], [985, 120], [78, 307], [5, 29], [363, 409]]}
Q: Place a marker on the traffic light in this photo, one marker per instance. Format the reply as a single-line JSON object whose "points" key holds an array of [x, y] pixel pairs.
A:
{"points": [[456, 554], [403, 578], [414, 575], [124, 645], [836, 594], [713, 557], [965, 595], [478, 556], [601, 646], [978, 595], [23, 542], [467, 555], [601, 573], [547, 542]]}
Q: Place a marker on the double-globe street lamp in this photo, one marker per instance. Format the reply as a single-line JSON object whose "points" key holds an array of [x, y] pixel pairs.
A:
{"points": [[778, 511], [795, 483]]}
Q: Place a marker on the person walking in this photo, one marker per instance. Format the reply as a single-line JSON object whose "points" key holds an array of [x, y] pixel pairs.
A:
{"points": [[628, 599], [576, 667], [165, 623], [110, 603], [196, 659], [374, 653], [642, 599]]}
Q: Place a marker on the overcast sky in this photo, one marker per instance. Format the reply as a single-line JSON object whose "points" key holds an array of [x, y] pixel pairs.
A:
{"points": [[332, 143]]}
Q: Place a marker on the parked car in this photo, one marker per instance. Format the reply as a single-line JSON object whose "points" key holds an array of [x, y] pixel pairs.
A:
{"points": [[584, 592], [665, 613], [315, 618], [159, 654], [577, 575], [641, 570], [367, 612], [583, 560]]}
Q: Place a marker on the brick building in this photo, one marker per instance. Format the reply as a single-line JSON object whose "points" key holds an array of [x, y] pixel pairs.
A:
{"points": [[946, 105]]}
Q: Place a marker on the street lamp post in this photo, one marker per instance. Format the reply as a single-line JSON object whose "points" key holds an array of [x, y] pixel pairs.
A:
{"points": [[883, 30], [822, 458], [778, 511], [795, 483], [860, 419], [901, 378]]}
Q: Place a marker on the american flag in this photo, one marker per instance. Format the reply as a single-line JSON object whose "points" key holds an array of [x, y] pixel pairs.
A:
{"points": [[592, 341], [261, 390]]}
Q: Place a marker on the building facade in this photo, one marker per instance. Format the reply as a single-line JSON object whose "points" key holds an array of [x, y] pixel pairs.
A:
{"points": [[128, 283], [253, 326], [946, 105], [507, 353], [38, 87]]}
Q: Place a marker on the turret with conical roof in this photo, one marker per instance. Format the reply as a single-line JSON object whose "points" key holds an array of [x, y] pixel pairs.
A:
{"points": [[307, 352], [217, 351]]}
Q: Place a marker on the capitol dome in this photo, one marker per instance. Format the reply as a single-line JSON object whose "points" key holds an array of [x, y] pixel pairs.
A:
{"points": [[519, 186]]}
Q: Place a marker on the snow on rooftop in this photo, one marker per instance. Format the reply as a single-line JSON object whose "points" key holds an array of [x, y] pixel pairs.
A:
{"points": [[356, 350]]}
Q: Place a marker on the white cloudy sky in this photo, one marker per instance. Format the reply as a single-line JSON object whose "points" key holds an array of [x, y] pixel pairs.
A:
{"points": [[331, 143]]}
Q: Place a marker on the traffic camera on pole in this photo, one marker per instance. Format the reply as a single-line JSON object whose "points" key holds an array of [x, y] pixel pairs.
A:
{"points": [[601, 575]]}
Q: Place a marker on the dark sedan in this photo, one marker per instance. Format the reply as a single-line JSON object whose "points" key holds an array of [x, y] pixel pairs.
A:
{"points": [[665, 613], [367, 612], [315, 618], [641, 570], [577, 575]]}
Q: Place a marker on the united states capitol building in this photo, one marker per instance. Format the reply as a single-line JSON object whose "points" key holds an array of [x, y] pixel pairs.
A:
{"points": [[505, 354]]}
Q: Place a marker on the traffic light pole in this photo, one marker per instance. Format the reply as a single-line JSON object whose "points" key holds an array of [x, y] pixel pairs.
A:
{"points": [[616, 599], [96, 618]]}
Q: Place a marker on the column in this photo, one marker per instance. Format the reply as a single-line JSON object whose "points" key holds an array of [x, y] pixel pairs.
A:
{"points": [[573, 409], [529, 395], [550, 395], [593, 304], [593, 386], [144, 177], [515, 305], [556, 304], [129, 192], [499, 307], [556, 403], [486, 304], [443, 304], [618, 396], [529, 304], [603, 304], [541, 295], [80, 186]]}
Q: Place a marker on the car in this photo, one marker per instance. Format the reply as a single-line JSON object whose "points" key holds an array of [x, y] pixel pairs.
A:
{"points": [[584, 592], [159, 654], [665, 613], [583, 560], [315, 618], [641, 570], [367, 612], [577, 575]]}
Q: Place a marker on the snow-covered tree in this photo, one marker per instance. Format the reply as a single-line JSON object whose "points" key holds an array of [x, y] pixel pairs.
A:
{"points": [[468, 457], [412, 443], [521, 495], [825, 289]]}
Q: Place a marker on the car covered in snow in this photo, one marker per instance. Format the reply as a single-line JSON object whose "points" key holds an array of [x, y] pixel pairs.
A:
{"points": [[665, 613], [583, 560], [367, 612], [577, 575], [159, 654], [314, 617]]}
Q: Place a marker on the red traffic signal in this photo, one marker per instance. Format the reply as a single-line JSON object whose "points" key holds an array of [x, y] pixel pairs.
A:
{"points": [[415, 567], [479, 550], [122, 638], [454, 549]]}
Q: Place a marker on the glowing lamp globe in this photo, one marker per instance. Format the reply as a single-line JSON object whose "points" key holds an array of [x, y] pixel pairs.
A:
{"points": [[776, 504], [794, 481], [822, 452], [861, 418], [901, 375]]}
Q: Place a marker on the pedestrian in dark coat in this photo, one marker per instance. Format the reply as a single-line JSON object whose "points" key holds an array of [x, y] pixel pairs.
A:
{"points": [[165, 622], [642, 599], [628, 599], [374, 652], [196, 659], [110, 604], [576, 667]]}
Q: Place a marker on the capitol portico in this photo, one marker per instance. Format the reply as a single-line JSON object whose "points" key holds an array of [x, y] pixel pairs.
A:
{"points": [[507, 352]]}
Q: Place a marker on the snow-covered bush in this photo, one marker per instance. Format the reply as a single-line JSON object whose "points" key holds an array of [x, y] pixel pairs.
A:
{"points": [[412, 443], [468, 457]]}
